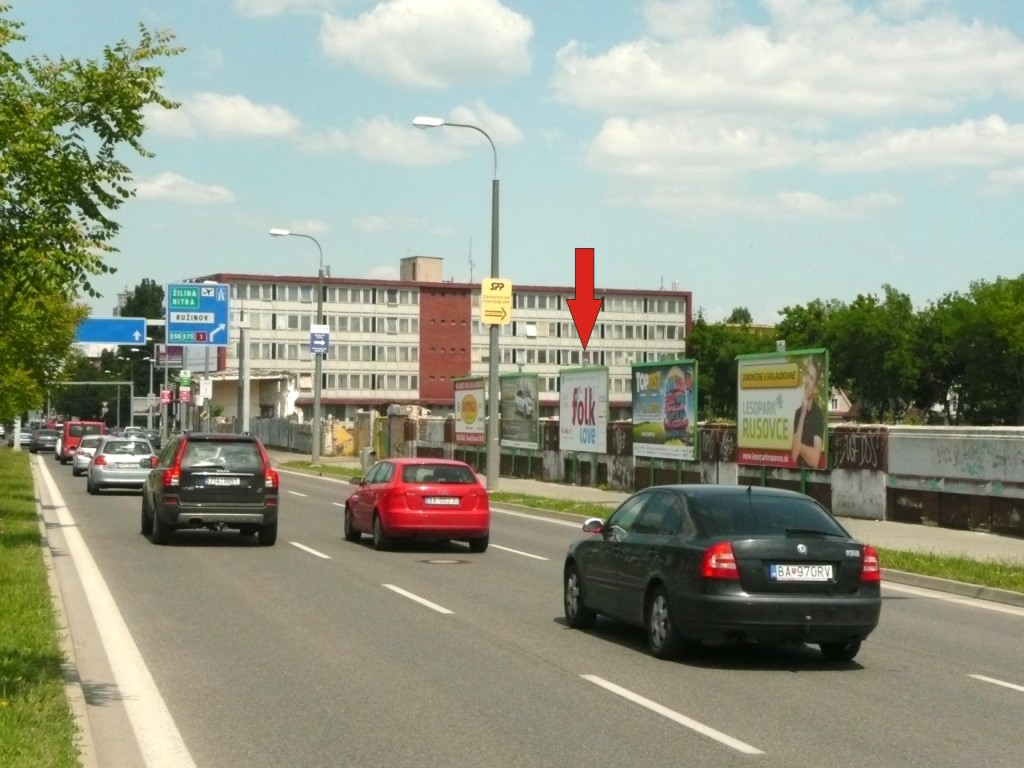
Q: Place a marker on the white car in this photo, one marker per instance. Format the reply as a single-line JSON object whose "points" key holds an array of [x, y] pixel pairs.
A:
{"points": [[524, 402], [83, 454]]}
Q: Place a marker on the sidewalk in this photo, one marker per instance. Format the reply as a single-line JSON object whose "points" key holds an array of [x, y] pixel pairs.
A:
{"points": [[900, 536]]}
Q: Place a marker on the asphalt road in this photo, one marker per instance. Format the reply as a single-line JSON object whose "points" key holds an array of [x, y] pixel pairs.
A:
{"points": [[316, 652]]}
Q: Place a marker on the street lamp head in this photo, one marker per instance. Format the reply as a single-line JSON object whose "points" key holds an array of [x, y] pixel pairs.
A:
{"points": [[279, 232], [428, 122]]}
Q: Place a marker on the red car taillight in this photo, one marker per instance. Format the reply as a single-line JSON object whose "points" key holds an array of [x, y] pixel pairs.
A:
{"points": [[172, 477], [870, 568], [99, 460], [270, 477], [719, 562]]}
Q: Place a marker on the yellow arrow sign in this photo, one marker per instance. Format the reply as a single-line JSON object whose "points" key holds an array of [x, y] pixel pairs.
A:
{"points": [[496, 301]]}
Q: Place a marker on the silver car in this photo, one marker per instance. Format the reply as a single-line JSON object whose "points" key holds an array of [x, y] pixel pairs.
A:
{"points": [[83, 454], [119, 463]]}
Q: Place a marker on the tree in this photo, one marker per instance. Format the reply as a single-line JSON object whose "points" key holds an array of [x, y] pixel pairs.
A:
{"points": [[62, 124], [715, 346], [739, 316]]}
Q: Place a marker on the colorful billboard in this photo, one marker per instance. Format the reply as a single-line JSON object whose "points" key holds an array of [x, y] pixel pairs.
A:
{"points": [[470, 412], [583, 410], [520, 411], [665, 410], [782, 409]]}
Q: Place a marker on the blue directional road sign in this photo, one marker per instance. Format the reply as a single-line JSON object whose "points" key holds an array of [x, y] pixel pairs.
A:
{"points": [[319, 339], [197, 314], [111, 330]]}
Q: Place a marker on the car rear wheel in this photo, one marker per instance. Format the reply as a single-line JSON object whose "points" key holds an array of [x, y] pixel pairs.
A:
{"points": [[840, 651], [380, 539], [267, 535], [480, 545], [351, 534], [577, 615], [161, 531], [662, 636], [90, 488]]}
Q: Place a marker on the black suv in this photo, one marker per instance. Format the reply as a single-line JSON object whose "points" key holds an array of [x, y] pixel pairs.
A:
{"points": [[214, 481]]}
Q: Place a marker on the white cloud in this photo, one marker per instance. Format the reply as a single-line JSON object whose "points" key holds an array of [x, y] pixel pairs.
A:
{"points": [[171, 186], [222, 116], [1004, 182], [987, 141], [817, 57], [432, 43], [382, 139]]}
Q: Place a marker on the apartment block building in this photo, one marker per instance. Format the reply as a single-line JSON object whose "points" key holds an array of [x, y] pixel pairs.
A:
{"points": [[403, 342]]}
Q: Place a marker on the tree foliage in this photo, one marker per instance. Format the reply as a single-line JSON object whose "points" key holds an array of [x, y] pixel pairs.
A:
{"points": [[63, 123]]}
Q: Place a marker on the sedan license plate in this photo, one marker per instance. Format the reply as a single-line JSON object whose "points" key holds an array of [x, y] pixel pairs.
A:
{"points": [[223, 481], [443, 501], [801, 572]]}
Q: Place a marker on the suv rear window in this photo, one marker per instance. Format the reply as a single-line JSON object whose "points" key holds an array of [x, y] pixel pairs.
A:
{"points": [[77, 430], [233, 456]]}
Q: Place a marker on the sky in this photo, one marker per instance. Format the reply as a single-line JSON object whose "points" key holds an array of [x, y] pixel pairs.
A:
{"points": [[758, 153]]}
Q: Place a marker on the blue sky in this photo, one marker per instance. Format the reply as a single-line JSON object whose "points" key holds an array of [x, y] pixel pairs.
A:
{"points": [[759, 154]]}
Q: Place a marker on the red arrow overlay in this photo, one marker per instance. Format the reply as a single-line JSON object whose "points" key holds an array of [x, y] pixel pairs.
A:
{"points": [[584, 307]]}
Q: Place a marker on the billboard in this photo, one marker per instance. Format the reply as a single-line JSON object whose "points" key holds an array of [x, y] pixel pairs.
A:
{"points": [[583, 410], [782, 411], [520, 411], [470, 412], [664, 409]]}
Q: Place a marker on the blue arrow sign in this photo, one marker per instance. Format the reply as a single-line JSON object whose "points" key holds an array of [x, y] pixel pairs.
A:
{"points": [[319, 342], [111, 330], [197, 314]]}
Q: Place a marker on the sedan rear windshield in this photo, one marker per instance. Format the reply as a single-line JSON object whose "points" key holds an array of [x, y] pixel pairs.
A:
{"points": [[444, 474], [752, 515]]}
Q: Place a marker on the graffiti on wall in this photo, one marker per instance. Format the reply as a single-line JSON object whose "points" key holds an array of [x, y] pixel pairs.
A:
{"points": [[857, 449]]}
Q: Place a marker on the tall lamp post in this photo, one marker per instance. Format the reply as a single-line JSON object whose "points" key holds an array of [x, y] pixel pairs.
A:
{"points": [[318, 362], [494, 395]]}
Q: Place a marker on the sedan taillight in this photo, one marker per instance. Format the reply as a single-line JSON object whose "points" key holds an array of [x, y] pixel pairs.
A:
{"points": [[719, 562], [870, 568], [99, 460]]}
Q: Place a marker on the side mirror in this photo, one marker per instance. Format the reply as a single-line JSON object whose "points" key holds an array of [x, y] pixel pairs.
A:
{"points": [[593, 525]]}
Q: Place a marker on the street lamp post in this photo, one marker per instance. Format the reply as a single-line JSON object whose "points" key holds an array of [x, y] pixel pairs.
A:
{"points": [[318, 361], [494, 395]]}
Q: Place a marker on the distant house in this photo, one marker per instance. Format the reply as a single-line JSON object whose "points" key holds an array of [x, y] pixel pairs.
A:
{"points": [[840, 408]]}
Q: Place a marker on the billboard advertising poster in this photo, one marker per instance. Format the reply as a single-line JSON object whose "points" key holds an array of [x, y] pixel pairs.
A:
{"points": [[470, 412], [583, 410], [664, 410], [519, 410], [782, 409]]}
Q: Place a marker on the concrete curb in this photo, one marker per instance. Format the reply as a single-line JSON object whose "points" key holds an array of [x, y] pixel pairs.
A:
{"points": [[72, 681], [960, 588]]}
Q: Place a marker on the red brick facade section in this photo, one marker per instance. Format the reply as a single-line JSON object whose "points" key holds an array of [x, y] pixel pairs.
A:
{"points": [[446, 332]]}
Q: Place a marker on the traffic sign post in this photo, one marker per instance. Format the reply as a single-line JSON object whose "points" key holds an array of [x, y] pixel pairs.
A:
{"points": [[197, 314], [111, 330], [496, 301]]}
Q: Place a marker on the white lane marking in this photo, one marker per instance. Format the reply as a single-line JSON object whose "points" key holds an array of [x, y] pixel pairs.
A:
{"points": [[541, 518], [418, 599], [700, 728], [296, 493], [159, 740], [998, 682], [311, 551], [973, 602], [517, 552]]}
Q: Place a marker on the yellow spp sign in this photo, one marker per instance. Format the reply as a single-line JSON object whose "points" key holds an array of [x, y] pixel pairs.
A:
{"points": [[496, 301]]}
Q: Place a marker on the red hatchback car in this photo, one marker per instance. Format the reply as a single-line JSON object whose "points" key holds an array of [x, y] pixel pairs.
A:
{"points": [[419, 498]]}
